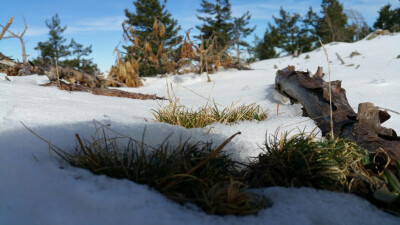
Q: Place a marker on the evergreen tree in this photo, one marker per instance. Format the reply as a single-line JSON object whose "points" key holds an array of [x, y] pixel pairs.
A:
{"points": [[55, 50], [240, 31], [52, 50], [308, 35], [217, 20], [78, 51], [332, 26], [388, 19], [288, 31], [142, 21], [265, 48]]}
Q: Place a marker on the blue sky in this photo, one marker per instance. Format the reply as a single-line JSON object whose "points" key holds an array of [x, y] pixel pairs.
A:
{"points": [[98, 22]]}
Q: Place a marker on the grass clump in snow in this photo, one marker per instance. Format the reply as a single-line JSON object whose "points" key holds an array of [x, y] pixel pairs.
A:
{"points": [[177, 114], [191, 173], [302, 161]]}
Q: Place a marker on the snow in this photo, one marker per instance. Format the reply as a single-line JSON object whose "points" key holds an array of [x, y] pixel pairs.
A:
{"points": [[36, 187]]}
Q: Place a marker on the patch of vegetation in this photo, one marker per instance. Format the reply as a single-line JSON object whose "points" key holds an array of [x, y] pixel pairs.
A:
{"points": [[388, 195], [177, 114], [124, 73], [301, 161], [190, 173], [329, 164], [206, 176]]}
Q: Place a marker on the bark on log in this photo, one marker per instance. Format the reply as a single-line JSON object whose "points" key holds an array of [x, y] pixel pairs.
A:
{"points": [[101, 91], [311, 91]]}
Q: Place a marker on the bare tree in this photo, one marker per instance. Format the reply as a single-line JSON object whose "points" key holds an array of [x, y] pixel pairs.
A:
{"points": [[6, 27], [21, 39], [358, 23]]}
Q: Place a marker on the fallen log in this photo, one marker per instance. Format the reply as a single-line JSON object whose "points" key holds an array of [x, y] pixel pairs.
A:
{"points": [[101, 91], [54, 73], [364, 127]]}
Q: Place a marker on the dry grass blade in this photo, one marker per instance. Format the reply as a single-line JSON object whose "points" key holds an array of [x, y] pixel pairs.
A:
{"points": [[330, 91], [213, 154]]}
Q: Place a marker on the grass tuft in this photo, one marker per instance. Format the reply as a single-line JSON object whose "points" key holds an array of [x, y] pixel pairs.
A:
{"points": [[177, 114], [329, 164], [190, 173]]}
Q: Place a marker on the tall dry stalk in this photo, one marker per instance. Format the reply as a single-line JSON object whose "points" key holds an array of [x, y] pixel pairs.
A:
{"points": [[329, 88]]}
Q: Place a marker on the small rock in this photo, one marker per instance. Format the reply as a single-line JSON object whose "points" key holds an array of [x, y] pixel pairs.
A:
{"points": [[275, 66], [307, 57]]}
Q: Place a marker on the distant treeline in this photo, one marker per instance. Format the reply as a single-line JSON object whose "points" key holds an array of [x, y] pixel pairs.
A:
{"points": [[290, 33]]}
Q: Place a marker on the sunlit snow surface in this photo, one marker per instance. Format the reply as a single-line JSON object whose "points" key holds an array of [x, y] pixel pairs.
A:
{"points": [[36, 187]]}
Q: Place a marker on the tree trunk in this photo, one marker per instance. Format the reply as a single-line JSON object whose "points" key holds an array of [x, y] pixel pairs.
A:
{"points": [[311, 91]]}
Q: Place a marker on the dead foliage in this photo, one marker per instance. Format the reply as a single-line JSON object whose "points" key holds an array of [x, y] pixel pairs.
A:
{"points": [[151, 53], [124, 73]]}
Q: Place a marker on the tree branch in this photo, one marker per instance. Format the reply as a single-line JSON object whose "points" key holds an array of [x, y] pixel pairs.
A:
{"points": [[20, 37], [6, 27]]}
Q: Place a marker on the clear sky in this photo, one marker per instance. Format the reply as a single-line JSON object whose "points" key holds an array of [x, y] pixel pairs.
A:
{"points": [[98, 22]]}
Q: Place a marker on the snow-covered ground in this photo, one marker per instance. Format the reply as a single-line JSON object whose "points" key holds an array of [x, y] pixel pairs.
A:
{"points": [[36, 187]]}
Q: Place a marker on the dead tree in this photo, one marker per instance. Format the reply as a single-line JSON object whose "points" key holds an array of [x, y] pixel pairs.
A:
{"points": [[364, 127], [21, 39]]}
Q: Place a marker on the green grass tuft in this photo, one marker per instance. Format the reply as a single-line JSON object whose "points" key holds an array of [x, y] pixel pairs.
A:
{"points": [[298, 161], [176, 114], [196, 173]]}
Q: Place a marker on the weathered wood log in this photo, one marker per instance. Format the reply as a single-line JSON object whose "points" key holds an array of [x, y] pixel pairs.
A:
{"points": [[312, 92], [101, 91], [54, 73]]}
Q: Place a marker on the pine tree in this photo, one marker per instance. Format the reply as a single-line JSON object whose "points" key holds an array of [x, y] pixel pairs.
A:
{"points": [[332, 26], [52, 50], [265, 48], [388, 19], [308, 35], [55, 51], [288, 31], [142, 21], [240, 31], [78, 51], [217, 20]]}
